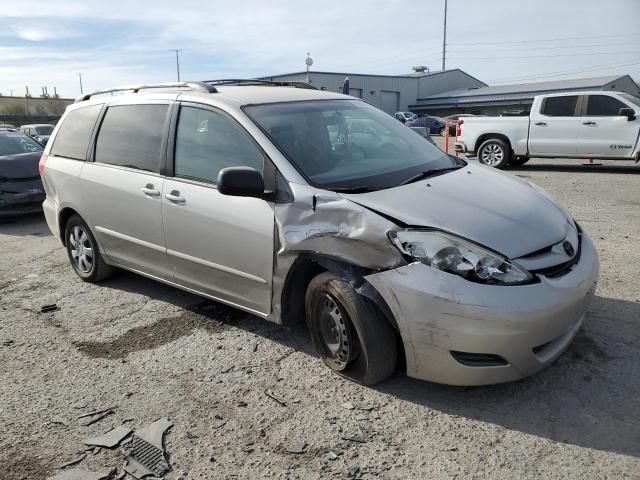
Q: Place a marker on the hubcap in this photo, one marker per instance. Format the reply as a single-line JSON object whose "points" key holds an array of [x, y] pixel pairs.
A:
{"points": [[334, 333], [81, 249], [492, 155]]}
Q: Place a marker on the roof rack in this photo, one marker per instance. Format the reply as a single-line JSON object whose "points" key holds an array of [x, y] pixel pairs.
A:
{"points": [[253, 81], [195, 86]]}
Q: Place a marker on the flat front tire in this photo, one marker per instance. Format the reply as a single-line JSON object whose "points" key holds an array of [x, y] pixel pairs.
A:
{"points": [[349, 332], [83, 251], [494, 153]]}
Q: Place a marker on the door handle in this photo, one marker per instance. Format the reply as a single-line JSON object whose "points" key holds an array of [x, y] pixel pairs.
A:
{"points": [[174, 196], [541, 124], [589, 123], [149, 190]]}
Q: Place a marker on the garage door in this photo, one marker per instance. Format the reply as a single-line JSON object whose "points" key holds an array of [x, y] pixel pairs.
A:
{"points": [[355, 92], [389, 101]]}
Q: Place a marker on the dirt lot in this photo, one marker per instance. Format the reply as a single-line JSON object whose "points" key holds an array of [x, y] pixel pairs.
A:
{"points": [[150, 351]]}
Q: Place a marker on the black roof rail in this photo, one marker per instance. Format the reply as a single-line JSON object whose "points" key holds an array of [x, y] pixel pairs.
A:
{"points": [[254, 81], [194, 86]]}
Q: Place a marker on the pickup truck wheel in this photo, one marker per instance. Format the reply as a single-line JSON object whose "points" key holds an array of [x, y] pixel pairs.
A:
{"points": [[518, 161], [443, 132], [351, 335], [494, 153]]}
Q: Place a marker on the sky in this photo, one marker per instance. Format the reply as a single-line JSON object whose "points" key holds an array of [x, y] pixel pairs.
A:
{"points": [[118, 42]]}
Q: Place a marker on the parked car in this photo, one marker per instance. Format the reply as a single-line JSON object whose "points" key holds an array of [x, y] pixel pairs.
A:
{"points": [[453, 122], [8, 128], [21, 188], [596, 124], [405, 116], [431, 123], [247, 195], [41, 132]]}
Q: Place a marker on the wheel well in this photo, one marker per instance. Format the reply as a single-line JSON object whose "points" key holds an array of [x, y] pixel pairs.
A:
{"points": [[488, 136], [63, 217], [306, 267]]}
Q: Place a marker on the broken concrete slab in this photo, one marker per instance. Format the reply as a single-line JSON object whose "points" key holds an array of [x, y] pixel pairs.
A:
{"points": [[146, 451], [79, 474], [75, 460], [110, 439]]}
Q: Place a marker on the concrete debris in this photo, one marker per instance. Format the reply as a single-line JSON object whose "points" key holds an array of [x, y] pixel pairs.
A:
{"points": [[355, 472], [363, 406], [348, 405], [297, 447], [79, 474], [49, 308], [97, 418], [146, 451], [332, 455], [248, 448], [355, 438], [274, 398], [110, 439], [76, 460]]}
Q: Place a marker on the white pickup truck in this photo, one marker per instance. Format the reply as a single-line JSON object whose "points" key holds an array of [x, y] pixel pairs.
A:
{"points": [[566, 125]]}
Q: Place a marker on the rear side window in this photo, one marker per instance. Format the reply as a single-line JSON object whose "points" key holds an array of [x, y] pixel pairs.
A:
{"points": [[72, 139], [560, 106], [603, 106], [208, 141], [131, 136]]}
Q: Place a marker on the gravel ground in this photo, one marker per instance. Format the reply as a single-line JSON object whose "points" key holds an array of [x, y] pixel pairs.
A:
{"points": [[150, 351]]}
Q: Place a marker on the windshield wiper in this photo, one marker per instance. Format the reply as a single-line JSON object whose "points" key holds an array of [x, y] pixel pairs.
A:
{"points": [[430, 173], [354, 189]]}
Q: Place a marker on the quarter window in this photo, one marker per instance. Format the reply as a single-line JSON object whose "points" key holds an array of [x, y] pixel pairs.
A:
{"points": [[560, 106], [603, 106], [72, 139], [208, 141], [131, 136]]}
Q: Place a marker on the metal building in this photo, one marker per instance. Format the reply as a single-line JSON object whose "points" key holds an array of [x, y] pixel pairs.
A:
{"points": [[494, 100], [390, 93]]}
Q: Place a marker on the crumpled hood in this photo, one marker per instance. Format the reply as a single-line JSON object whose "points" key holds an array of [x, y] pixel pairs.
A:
{"points": [[21, 166], [490, 207]]}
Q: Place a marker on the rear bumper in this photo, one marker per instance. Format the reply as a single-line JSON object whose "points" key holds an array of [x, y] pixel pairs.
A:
{"points": [[524, 327], [461, 147], [20, 203]]}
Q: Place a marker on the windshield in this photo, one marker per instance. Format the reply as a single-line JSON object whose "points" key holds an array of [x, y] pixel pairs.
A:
{"points": [[45, 130], [17, 143], [630, 98], [345, 144]]}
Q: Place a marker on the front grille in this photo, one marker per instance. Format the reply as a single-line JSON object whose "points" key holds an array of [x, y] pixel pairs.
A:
{"points": [[469, 359], [562, 268]]}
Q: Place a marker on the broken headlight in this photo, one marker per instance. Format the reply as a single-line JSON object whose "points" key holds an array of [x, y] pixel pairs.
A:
{"points": [[454, 255]]}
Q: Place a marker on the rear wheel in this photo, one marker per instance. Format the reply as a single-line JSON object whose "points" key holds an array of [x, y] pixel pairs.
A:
{"points": [[83, 251], [349, 332], [443, 131], [494, 153]]}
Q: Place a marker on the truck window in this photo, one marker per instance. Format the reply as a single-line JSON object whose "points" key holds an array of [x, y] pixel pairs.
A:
{"points": [[564, 106], [603, 106]]}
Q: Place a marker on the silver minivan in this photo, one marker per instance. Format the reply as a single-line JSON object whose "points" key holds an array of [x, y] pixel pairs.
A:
{"points": [[258, 195]]}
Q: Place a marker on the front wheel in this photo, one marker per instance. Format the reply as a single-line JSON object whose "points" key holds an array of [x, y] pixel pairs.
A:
{"points": [[349, 332], [494, 153], [83, 251]]}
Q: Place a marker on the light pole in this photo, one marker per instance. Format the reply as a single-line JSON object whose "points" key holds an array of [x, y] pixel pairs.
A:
{"points": [[444, 37], [80, 78], [177, 62]]}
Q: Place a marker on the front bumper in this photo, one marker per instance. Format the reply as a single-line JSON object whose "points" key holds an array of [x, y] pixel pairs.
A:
{"points": [[528, 326], [20, 203]]}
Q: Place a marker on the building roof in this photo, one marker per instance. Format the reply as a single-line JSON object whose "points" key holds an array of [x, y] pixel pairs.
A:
{"points": [[514, 92], [405, 75]]}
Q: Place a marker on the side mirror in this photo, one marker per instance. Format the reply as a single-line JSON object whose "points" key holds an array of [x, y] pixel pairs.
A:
{"points": [[240, 182], [627, 112]]}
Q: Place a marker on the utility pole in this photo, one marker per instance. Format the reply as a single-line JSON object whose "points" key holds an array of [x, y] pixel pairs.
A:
{"points": [[444, 38], [177, 62], [80, 77]]}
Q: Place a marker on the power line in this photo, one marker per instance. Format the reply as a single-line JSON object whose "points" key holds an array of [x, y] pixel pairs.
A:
{"points": [[546, 40], [562, 73], [546, 56], [549, 48]]}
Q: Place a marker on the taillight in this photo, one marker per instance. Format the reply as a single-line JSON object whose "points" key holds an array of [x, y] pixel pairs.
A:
{"points": [[41, 163]]}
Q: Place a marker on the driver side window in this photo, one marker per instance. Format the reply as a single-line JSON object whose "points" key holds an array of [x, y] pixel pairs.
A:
{"points": [[208, 141]]}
